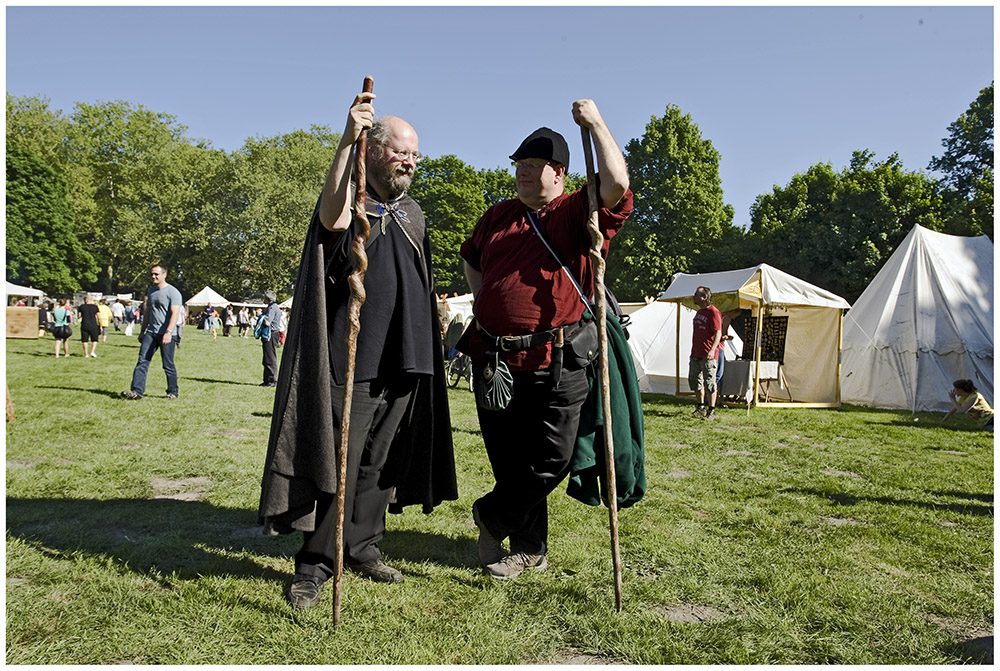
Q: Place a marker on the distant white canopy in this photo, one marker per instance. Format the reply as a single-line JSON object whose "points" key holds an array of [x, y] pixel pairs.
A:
{"points": [[205, 297], [17, 290]]}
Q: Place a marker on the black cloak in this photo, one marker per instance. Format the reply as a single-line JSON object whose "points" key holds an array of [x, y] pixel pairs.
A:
{"points": [[301, 462]]}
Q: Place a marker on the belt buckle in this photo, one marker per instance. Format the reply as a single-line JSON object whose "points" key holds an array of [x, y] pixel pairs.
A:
{"points": [[503, 341]]}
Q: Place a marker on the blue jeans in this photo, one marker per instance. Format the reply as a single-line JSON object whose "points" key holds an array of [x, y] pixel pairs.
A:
{"points": [[151, 343]]}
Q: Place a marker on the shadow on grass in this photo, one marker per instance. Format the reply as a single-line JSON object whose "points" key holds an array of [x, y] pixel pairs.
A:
{"points": [[211, 381], [975, 651], [99, 392], [850, 500], [152, 536], [418, 547], [931, 424], [189, 538]]}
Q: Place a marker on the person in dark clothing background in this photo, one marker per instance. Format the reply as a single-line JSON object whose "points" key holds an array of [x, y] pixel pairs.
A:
{"points": [[269, 345]]}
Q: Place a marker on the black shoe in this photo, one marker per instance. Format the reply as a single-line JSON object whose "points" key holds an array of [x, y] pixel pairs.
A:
{"points": [[377, 570], [268, 384], [131, 395], [304, 593]]}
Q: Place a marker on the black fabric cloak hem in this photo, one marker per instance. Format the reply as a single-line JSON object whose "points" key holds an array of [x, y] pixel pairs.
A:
{"points": [[301, 462]]}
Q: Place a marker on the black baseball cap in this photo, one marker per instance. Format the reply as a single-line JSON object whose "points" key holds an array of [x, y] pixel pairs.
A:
{"points": [[544, 143]]}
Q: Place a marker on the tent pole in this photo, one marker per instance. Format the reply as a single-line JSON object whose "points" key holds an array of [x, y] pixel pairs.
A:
{"points": [[840, 350], [677, 350], [757, 348]]}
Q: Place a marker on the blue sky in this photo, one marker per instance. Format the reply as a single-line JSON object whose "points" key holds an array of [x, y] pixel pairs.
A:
{"points": [[775, 89]]}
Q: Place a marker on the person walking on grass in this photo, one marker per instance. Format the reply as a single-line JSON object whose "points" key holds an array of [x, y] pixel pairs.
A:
{"points": [[104, 317], [399, 449], [524, 305], [706, 339], [62, 317], [160, 314], [90, 326]]}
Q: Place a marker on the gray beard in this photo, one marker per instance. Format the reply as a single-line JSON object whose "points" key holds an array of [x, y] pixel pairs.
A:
{"points": [[390, 181]]}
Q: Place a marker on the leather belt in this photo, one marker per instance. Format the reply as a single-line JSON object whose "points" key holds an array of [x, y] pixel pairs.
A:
{"points": [[516, 343]]}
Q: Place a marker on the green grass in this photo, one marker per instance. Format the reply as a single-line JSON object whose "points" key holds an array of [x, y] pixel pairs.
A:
{"points": [[847, 536]]}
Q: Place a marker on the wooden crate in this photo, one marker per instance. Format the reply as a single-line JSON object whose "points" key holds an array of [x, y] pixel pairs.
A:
{"points": [[22, 322]]}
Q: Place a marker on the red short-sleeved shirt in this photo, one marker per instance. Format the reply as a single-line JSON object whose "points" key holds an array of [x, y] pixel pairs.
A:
{"points": [[524, 288], [707, 321]]}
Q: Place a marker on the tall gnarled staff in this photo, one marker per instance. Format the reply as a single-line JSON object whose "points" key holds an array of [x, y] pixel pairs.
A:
{"points": [[356, 280], [600, 307]]}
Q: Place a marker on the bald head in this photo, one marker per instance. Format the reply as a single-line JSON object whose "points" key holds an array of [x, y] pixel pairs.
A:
{"points": [[392, 156]]}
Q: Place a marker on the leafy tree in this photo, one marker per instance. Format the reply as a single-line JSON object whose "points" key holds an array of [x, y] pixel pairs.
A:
{"points": [[45, 134], [836, 229], [277, 181], [451, 195], [139, 196], [498, 186], [967, 166], [679, 216], [43, 249]]}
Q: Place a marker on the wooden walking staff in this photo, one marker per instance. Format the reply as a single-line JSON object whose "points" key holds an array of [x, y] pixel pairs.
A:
{"points": [[356, 280], [596, 244]]}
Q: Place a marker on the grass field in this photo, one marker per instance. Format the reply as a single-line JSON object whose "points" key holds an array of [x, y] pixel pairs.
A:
{"points": [[846, 536]]}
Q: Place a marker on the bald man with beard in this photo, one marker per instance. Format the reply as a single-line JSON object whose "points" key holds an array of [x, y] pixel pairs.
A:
{"points": [[399, 448]]}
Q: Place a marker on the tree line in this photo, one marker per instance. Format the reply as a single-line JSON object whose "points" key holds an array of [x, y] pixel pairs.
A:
{"points": [[94, 197]]}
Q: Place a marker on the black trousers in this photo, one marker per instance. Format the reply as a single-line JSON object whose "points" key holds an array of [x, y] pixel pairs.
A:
{"points": [[270, 359], [376, 414], [530, 444]]}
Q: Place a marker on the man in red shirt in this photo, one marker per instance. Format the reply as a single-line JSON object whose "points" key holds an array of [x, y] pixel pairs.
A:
{"points": [[705, 341], [523, 299]]}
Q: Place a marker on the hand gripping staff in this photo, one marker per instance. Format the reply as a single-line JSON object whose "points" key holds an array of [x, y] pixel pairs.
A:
{"points": [[356, 280], [596, 243]]}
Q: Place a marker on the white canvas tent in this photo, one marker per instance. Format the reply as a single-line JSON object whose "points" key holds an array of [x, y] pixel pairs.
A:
{"points": [[205, 297], [17, 290], [809, 372], [925, 320], [653, 339]]}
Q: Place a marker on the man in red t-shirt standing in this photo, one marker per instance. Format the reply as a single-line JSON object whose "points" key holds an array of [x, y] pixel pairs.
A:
{"points": [[523, 301], [705, 341]]}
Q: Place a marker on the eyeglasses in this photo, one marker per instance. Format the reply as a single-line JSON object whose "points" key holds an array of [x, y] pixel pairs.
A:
{"points": [[406, 153], [536, 164]]}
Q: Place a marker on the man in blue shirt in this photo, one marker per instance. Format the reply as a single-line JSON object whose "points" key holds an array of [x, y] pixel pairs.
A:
{"points": [[160, 316]]}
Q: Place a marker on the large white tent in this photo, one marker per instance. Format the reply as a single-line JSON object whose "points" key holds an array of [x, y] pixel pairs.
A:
{"points": [[923, 322], [205, 297], [653, 337], [809, 320]]}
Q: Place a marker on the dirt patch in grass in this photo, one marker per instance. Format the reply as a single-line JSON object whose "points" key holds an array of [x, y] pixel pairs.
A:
{"points": [[131, 446], [842, 522], [185, 489], [21, 465], [688, 613], [678, 473], [841, 474], [959, 453], [572, 656]]}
